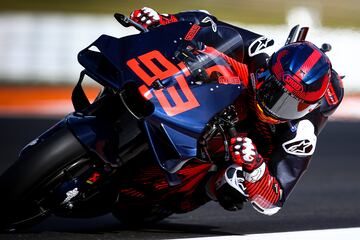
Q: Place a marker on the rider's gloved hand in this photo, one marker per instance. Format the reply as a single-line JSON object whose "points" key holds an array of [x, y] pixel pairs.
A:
{"points": [[247, 179], [264, 190], [245, 154], [149, 18]]}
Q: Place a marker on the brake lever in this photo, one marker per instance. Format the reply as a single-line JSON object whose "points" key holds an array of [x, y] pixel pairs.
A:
{"points": [[127, 22]]}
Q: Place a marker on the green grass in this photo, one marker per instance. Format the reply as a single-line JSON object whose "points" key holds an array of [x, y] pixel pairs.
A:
{"points": [[334, 12]]}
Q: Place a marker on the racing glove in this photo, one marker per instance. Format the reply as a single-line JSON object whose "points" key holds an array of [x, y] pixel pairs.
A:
{"points": [[244, 153], [262, 188], [149, 18]]}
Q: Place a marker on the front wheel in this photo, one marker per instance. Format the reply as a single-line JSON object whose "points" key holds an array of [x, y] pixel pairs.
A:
{"points": [[26, 185]]}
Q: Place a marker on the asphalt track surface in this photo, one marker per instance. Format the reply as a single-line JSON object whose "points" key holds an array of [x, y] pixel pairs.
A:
{"points": [[328, 196]]}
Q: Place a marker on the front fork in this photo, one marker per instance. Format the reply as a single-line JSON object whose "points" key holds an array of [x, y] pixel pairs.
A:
{"points": [[84, 187], [111, 137]]}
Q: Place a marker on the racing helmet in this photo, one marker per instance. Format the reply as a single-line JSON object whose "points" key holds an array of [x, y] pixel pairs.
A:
{"points": [[297, 78]]}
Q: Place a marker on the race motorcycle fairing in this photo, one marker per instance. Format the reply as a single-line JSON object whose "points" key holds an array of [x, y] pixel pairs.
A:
{"points": [[161, 101], [177, 98]]}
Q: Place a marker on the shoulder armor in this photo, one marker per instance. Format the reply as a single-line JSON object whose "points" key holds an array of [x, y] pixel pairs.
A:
{"points": [[304, 142]]}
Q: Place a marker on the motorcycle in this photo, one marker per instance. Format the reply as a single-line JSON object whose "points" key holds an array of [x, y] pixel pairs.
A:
{"points": [[141, 149]]}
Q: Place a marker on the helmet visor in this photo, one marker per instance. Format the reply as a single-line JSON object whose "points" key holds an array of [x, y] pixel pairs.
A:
{"points": [[277, 102]]}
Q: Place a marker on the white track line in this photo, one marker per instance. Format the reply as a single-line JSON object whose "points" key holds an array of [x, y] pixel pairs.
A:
{"points": [[330, 234]]}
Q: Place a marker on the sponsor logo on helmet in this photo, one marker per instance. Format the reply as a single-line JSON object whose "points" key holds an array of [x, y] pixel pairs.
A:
{"points": [[292, 84]]}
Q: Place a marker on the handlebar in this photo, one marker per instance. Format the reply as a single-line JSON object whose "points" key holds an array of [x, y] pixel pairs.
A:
{"points": [[127, 22]]}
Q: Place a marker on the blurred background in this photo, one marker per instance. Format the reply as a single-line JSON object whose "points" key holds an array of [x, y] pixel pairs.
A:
{"points": [[39, 40], [39, 43]]}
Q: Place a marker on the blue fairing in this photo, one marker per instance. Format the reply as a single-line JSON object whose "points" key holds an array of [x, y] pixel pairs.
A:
{"points": [[181, 129]]}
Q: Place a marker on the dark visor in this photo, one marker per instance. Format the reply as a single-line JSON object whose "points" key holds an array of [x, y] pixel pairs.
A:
{"points": [[277, 102]]}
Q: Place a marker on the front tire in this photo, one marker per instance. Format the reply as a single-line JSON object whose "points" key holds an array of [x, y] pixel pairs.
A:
{"points": [[24, 184]]}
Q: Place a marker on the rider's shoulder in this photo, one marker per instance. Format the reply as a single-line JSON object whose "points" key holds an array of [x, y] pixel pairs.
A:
{"points": [[297, 137]]}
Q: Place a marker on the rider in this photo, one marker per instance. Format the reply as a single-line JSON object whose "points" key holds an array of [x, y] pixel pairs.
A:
{"points": [[289, 96]]}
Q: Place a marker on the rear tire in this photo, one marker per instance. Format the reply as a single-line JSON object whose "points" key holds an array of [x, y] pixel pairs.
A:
{"points": [[27, 179]]}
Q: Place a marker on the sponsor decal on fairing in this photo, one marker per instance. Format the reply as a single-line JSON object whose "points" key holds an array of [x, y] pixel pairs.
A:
{"points": [[70, 195]]}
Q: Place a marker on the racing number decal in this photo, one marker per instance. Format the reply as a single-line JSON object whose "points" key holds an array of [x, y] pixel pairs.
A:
{"points": [[161, 68], [180, 105], [148, 59]]}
